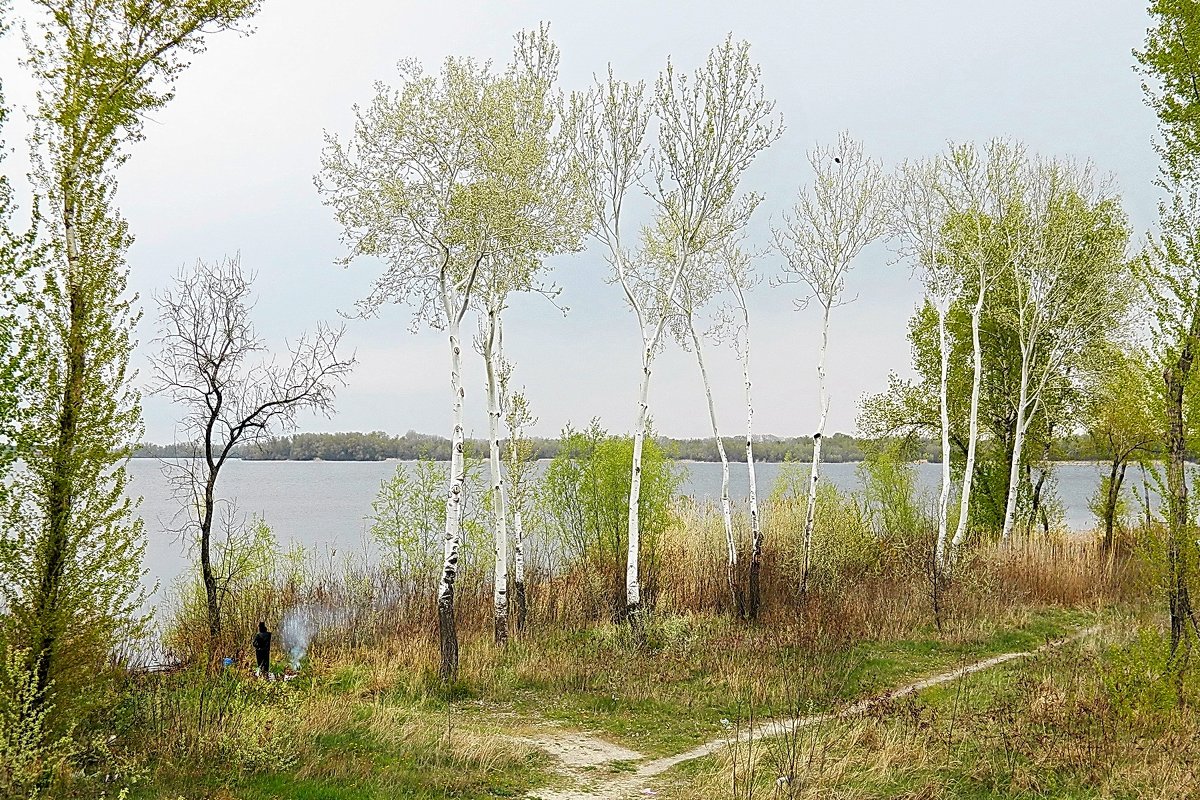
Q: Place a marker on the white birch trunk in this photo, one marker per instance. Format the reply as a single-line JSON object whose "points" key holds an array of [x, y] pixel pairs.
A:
{"points": [[943, 403], [633, 588], [499, 512], [1010, 506], [726, 512], [756, 538], [454, 503], [964, 508], [519, 566], [823, 393]]}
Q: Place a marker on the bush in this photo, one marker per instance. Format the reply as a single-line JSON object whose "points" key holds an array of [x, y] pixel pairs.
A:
{"points": [[585, 500], [408, 519], [30, 754]]}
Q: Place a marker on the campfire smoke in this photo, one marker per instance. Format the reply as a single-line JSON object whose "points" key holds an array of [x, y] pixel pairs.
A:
{"points": [[296, 632]]}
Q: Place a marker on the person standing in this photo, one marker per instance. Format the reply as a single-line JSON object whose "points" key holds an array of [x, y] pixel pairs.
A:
{"points": [[262, 649]]}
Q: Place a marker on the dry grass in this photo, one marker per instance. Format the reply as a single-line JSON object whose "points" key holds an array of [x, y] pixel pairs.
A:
{"points": [[372, 703], [865, 584], [1092, 720]]}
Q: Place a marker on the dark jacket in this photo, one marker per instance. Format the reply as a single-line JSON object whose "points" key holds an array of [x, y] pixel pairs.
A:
{"points": [[262, 644]]}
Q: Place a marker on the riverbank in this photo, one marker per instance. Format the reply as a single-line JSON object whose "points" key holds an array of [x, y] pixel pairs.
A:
{"points": [[569, 707]]}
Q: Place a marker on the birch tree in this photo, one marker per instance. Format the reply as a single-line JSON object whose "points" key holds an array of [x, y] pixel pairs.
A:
{"points": [[950, 215], [981, 193], [1070, 285], [697, 289], [828, 228], [433, 182], [102, 68], [739, 278], [212, 362], [552, 219], [711, 127], [920, 209], [409, 188], [611, 121], [518, 417]]}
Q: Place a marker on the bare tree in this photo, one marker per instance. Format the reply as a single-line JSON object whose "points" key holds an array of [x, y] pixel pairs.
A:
{"points": [[213, 362], [829, 226]]}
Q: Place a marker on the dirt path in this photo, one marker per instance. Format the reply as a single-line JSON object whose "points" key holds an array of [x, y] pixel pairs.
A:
{"points": [[581, 754]]}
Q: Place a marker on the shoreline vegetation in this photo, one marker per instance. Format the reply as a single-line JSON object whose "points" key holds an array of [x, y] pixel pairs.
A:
{"points": [[381, 446]]}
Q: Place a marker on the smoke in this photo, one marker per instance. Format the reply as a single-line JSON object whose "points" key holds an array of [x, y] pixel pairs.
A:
{"points": [[301, 623], [296, 631]]}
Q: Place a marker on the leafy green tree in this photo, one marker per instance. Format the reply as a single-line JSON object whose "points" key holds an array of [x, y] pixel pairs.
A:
{"points": [[17, 257], [1069, 284], [1170, 61], [944, 217], [408, 517], [1119, 396], [522, 483], [103, 67], [585, 494], [1034, 330]]}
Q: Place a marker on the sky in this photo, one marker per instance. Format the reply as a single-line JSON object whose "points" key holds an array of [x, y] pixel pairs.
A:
{"points": [[227, 168]]}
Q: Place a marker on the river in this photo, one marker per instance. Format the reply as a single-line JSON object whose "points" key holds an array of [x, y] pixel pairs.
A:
{"points": [[324, 505]]}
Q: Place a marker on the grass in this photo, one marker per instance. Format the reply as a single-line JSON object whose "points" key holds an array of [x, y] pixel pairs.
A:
{"points": [[374, 729], [1093, 719], [709, 670], [369, 717]]}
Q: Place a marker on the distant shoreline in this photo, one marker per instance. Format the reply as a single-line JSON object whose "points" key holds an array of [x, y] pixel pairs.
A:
{"points": [[836, 448], [1062, 462]]}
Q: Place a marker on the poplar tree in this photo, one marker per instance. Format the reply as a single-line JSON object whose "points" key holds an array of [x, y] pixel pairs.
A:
{"points": [[741, 278], [14, 263], [1170, 62], [545, 179], [102, 67], [712, 124]]}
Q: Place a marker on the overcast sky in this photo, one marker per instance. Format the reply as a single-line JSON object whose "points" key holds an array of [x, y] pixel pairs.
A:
{"points": [[227, 168]]}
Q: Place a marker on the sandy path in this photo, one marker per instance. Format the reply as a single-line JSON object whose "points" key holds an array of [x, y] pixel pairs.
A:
{"points": [[580, 753]]}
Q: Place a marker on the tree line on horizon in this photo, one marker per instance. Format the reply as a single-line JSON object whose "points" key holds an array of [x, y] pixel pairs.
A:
{"points": [[838, 448]]}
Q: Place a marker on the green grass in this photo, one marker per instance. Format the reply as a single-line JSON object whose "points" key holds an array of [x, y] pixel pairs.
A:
{"points": [[1087, 720], [698, 676], [672, 699]]}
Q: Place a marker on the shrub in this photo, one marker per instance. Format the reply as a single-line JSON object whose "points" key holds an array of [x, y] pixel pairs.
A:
{"points": [[585, 498]]}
